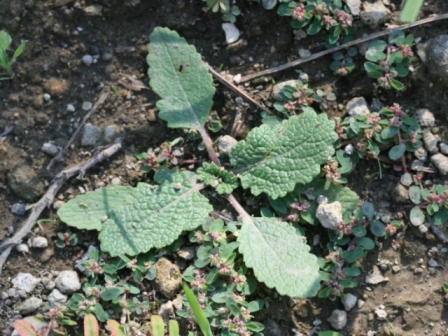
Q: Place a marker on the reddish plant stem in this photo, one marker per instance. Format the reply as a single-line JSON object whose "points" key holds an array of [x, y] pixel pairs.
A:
{"points": [[238, 207], [209, 145]]}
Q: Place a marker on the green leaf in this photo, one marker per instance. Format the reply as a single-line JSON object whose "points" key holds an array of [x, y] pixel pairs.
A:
{"points": [[330, 333], [255, 306], [275, 159], [140, 218], [389, 132], [367, 243], [351, 271], [197, 311], [178, 75], [415, 194], [375, 52], [377, 228], [91, 327], [112, 293], [353, 255], [158, 326], [279, 257], [396, 152], [269, 4], [90, 210], [19, 50], [397, 85], [24, 328], [410, 10], [5, 40], [417, 216], [224, 181]]}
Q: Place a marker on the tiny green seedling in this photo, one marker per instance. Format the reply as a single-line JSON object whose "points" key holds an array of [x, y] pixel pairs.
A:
{"points": [[5, 62], [229, 12]]}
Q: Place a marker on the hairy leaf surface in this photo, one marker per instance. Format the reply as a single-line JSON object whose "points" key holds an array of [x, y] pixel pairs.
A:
{"points": [[140, 218], [179, 77], [274, 159], [212, 174], [279, 257]]}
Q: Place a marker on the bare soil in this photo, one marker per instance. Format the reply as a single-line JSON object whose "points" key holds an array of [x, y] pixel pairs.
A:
{"points": [[59, 36]]}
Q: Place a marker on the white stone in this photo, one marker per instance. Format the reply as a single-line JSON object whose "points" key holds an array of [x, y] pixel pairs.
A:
{"points": [[349, 149], [68, 282], [304, 53], [187, 252], [360, 303], [29, 306], [278, 88], [226, 143], [357, 107], [25, 281], [375, 277], [375, 13], [57, 297], [70, 108], [47, 97], [349, 301], [354, 5], [425, 118], [86, 106], [87, 59], [330, 215], [396, 269], [58, 204], [23, 248], [49, 148], [430, 142], [237, 78], [423, 228], [39, 242], [338, 319], [421, 154], [231, 31], [381, 314], [441, 162], [115, 181], [433, 263], [90, 135]]}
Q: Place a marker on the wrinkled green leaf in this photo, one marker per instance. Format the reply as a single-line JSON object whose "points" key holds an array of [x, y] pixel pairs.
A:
{"points": [[274, 159], [178, 75], [279, 257], [224, 181]]}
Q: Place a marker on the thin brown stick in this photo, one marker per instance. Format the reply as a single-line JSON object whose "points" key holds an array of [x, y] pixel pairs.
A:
{"points": [[344, 46], [234, 88], [239, 119], [47, 199], [59, 156]]}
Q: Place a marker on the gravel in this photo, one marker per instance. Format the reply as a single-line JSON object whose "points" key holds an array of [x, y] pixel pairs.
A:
{"points": [[430, 142], [357, 107], [375, 13], [381, 314], [425, 117], [57, 297], [18, 209], [226, 143], [49, 148], [90, 135], [375, 277], [349, 301], [338, 319], [87, 60], [25, 281], [441, 162], [68, 282], [39, 242], [29, 306], [330, 215]]}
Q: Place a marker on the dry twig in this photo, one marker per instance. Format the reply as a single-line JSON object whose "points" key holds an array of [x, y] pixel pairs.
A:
{"points": [[59, 156], [131, 83], [344, 46], [47, 199]]}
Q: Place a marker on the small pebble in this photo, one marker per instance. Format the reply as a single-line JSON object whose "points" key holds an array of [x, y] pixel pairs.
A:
{"points": [[70, 108], [58, 204], [237, 78], [395, 269], [23, 248], [39, 242], [18, 209], [304, 53], [86, 106], [433, 263], [116, 181], [50, 149], [106, 56], [87, 59]]}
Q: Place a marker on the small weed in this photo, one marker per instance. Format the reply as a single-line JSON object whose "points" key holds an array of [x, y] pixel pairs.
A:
{"points": [[5, 62]]}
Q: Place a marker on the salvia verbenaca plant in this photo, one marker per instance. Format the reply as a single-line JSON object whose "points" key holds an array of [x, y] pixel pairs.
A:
{"points": [[390, 60]]}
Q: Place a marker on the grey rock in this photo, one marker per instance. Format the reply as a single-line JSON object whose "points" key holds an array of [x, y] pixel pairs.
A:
{"points": [[29, 306], [433, 263], [3, 295], [441, 162], [23, 248], [46, 97], [21, 293], [354, 5], [110, 133], [349, 301], [330, 215], [436, 50], [71, 108], [86, 106], [49, 148], [400, 194], [375, 277], [178, 302], [338, 319], [272, 328], [396, 269], [12, 292], [35, 322], [430, 142], [50, 285], [226, 143], [357, 107], [376, 105], [18, 209], [418, 270], [90, 135], [106, 56], [375, 13], [85, 257], [168, 279], [432, 271], [360, 303], [68, 282], [115, 181], [303, 76], [304, 53], [25, 281], [25, 183], [381, 314], [425, 117], [299, 34], [187, 252], [87, 60], [39, 242], [279, 87], [421, 154], [444, 148], [57, 297]]}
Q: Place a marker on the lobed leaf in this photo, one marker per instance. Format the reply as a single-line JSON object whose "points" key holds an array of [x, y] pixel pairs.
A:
{"points": [[274, 159], [279, 257], [178, 75], [224, 181]]}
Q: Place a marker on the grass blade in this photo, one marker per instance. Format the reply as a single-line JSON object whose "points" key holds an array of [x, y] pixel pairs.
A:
{"points": [[410, 10], [198, 312]]}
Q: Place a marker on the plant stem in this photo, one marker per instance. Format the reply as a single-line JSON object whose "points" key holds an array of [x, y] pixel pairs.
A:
{"points": [[238, 207], [403, 159], [209, 145]]}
